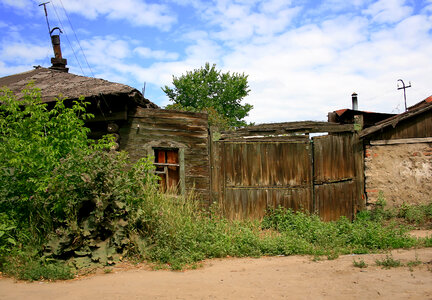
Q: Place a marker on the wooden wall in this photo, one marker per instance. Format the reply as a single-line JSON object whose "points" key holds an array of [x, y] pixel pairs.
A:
{"points": [[419, 126], [147, 129]]}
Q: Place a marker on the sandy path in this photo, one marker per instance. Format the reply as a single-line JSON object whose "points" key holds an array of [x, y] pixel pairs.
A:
{"points": [[294, 277]]}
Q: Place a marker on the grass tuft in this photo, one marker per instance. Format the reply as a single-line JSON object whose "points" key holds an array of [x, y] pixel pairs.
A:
{"points": [[360, 264], [388, 262]]}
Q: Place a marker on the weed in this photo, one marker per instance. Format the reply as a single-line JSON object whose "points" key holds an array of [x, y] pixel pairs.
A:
{"points": [[428, 241], [32, 269], [360, 264], [388, 262], [332, 255], [416, 214], [316, 258], [413, 263]]}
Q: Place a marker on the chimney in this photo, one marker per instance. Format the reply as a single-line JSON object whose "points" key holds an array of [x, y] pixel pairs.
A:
{"points": [[354, 101], [58, 62]]}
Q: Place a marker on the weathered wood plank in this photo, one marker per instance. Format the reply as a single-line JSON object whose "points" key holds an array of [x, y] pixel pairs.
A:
{"points": [[288, 128], [262, 139], [170, 113], [335, 200], [173, 125], [333, 158], [401, 141]]}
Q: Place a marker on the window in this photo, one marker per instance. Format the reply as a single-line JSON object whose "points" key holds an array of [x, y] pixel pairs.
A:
{"points": [[167, 168]]}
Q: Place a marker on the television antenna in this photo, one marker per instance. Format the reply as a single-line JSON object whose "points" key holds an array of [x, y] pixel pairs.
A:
{"points": [[404, 87]]}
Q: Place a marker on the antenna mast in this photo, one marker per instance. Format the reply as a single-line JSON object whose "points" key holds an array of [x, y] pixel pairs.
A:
{"points": [[46, 15], [143, 90], [404, 87], [58, 62]]}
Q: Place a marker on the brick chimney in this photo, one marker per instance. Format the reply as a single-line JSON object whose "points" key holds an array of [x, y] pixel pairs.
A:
{"points": [[58, 62]]}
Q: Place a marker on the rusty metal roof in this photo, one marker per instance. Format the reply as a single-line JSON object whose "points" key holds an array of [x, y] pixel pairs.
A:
{"points": [[413, 111], [421, 103], [53, 83]]}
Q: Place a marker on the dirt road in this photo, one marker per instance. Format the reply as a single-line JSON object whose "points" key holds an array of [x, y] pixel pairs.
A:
{"points": [[294, 277]]}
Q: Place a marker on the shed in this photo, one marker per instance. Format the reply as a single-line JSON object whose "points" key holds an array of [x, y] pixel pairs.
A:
{"points": [[398, 157]]}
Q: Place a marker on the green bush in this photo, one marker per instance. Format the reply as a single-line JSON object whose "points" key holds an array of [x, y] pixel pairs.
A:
{"points": [[33, 142], [64, 195], [7, 236]]}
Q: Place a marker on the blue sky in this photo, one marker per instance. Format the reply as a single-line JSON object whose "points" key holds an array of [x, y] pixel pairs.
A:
{"points": [[303, 58]]}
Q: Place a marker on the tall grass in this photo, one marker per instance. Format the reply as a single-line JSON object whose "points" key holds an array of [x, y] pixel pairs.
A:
{"points": [[176, 233]]}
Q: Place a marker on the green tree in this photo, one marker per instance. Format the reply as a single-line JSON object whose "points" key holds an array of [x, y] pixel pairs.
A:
{"points": [[210, 90]]}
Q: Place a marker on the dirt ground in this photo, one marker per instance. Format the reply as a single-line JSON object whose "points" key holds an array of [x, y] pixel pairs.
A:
{"points": [[292, 277]]}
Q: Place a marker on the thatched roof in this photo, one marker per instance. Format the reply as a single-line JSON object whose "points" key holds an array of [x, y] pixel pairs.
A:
{"points": [[53, 83]]}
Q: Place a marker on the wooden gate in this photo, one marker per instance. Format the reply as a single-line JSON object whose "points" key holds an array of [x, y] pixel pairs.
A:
{"points": [[321, 175], [255, 175], [337, 175]]}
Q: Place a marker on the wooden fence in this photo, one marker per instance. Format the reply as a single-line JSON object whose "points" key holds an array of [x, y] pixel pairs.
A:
{"points": [[273, 167]]}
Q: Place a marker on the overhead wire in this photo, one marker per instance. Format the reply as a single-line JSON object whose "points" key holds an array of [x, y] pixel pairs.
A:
{"points": [[79, 44], [70, 44]]}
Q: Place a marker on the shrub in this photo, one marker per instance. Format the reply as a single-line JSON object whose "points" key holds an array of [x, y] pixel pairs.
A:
{"points": [[33, 140]]}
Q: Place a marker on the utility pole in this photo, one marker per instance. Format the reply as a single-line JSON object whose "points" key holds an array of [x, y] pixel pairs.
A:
{"points": [[404, 87]]}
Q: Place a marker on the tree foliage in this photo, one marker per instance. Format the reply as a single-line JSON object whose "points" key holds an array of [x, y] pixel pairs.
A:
{"points": [[208, 89], [33, 142]]}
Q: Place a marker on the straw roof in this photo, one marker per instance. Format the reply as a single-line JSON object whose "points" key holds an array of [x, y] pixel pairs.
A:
{"points": [[53, 83]]}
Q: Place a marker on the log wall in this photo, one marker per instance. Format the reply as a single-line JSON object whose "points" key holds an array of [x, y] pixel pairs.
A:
{"points": [[147, 129]]}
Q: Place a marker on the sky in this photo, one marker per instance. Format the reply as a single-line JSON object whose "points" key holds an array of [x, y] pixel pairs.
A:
{"points": [[303, 58]]}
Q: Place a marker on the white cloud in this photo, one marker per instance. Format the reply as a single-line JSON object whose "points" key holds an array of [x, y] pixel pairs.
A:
{"points": [[241, 21], [23, 53], [106, 49], [155, 54], [6, 70], [388, 11], [341, 5], [136, 12], [20, 4]]}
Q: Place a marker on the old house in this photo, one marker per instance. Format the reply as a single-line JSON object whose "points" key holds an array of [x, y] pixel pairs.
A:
{"points": [[398, 157], [178, 141]]}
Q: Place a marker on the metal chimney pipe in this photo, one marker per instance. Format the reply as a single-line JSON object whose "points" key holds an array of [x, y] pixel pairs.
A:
{"points": [[55, 40], [354, 101]]}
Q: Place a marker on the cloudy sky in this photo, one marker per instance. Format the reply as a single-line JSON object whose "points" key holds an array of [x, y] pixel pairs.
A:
{"points": [[303, 58]]}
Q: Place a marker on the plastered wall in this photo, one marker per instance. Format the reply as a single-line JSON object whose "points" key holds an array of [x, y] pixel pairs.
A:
{"points": [[403, 172]]}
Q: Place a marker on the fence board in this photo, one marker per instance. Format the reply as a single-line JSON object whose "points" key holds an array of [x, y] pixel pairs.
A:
{"points": [[323, 176], [333, 158], [258, 175], [335, 200]]}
